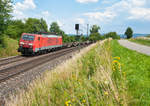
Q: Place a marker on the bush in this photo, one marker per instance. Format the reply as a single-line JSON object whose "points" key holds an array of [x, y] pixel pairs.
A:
{"points": [[95, 37], [8, 47], [112, 35]]}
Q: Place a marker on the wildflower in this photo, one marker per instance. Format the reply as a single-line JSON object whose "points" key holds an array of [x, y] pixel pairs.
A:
{"points": [[116, 65], [115, 61], [106, 82], [117, 58], [68, 103], [119, 65], [83, 101], [106, 93]]}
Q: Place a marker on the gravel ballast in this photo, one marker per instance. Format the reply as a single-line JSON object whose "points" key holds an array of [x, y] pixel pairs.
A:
{"points": [[13, 85], [134, 46]]}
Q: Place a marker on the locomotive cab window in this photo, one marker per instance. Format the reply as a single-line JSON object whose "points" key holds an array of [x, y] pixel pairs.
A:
{"points": [[28, 37]]}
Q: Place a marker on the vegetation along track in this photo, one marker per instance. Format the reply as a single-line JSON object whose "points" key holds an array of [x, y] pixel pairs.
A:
{"points": [[12, 71]]}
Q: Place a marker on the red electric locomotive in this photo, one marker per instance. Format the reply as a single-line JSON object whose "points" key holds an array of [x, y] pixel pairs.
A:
{"points": [[38, 43]]}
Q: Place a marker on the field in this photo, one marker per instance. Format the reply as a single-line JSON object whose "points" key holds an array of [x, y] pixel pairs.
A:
{"points": [[136, 69], [141, 41], [104, 74]]}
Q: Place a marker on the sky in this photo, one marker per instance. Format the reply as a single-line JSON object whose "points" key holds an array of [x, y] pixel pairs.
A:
{"points": [[110, 15]]}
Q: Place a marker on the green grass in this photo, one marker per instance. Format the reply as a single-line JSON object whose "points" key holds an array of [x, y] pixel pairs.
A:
{"points": [[141, 41], [101, 75], [85, 80], [10, 47], [136, 67]]}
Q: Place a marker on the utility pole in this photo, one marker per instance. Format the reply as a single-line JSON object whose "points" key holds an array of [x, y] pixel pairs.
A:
{"points": [[87, 30]]}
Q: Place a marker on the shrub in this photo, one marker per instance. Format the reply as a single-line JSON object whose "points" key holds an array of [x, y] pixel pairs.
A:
{"points": [[112, 35]]}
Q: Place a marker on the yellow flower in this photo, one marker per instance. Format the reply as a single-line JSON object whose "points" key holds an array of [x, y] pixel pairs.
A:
{"points": [[117, 58], [83, 101], [106, 93], [115, 61], [119, 65], [68, 103]]}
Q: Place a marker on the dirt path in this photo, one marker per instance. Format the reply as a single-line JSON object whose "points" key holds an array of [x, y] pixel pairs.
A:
{"points": [[134, 46]]}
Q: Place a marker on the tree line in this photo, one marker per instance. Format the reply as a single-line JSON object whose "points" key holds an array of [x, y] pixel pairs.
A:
{"points": [[14, 28]]}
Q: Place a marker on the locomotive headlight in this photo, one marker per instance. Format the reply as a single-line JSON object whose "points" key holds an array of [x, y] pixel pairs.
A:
{"points": [[30, 44], [22, 43]]}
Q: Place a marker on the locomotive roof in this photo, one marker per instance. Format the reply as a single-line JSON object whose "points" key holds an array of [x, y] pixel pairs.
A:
{"points": [[54, 36], [44, 35]]}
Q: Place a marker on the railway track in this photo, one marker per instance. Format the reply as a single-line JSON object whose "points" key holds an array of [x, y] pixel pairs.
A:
{"points": [[11, 60], [12, 71]]}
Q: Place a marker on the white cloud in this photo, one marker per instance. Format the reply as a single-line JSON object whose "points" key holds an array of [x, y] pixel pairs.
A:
{"points": [[135, 9], [80, 20], [20, 7], [26, 4], [140, 13], [138, 2], [101, 16], [86, 1]]}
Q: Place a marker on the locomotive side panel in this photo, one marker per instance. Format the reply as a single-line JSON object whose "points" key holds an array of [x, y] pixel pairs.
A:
{"points": [[53, 42]]}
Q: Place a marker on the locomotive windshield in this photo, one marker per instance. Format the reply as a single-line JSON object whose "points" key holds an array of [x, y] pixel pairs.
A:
{"points": [[28, 37]]}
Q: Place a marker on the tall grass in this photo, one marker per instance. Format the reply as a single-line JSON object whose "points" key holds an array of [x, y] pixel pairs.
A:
{"points": [[10, 47], [91, 78]]}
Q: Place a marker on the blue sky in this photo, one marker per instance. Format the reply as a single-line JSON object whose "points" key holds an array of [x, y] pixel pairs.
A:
{"points": [[110, 15]]}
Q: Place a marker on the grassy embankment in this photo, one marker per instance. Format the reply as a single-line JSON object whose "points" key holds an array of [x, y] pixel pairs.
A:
{"points": [[136, 67], [141, 41], [85, 80], [10, 47], [97, 76]]}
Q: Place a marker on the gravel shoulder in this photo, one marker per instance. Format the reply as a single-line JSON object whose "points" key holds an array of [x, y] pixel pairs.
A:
{"points": [[134, 46]]}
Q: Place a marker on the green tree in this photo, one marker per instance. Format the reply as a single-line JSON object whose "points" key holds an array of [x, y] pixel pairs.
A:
{"points": [[15, 29], [5, 14], [43, 25], [112, 35], [94, 29], [54, 28], [129, 32], [95, 35], [33, 25]]}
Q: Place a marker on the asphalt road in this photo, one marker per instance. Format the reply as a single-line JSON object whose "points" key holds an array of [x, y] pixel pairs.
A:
{"points": [[134, 46]]}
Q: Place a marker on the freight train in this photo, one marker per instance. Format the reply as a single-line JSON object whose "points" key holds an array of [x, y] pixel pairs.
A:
{"points": [[31, 44]]}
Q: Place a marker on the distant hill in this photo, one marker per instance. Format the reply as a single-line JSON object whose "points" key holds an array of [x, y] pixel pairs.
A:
{"points": [[134, 35], [121, 35]]}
